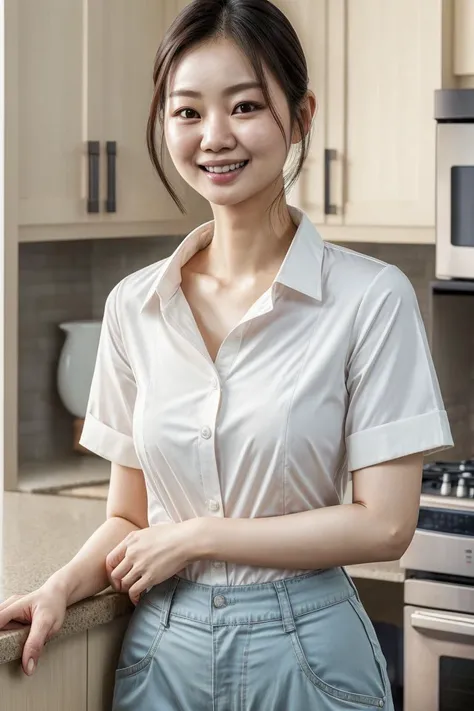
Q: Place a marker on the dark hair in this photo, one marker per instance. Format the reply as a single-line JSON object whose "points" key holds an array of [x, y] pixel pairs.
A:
{"points": [[266, 37]]}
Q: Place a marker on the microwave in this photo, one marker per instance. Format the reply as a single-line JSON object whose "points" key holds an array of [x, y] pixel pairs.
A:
{"points": [[454, 114]]}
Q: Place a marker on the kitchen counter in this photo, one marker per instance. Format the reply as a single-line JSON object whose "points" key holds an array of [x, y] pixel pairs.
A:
{"points": [[389, 571], [42, 532]]}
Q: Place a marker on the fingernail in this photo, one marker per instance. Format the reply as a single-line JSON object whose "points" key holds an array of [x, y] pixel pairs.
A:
{"points": [[31, 666]]}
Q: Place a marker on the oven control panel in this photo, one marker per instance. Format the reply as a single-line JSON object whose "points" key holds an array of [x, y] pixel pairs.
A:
{"points": [[456, 523]]}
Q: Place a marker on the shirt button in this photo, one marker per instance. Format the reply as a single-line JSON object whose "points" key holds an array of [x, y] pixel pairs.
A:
{"points": [[213, 505], [217, 563], [206, 432], [219, 601], [214, 383]]}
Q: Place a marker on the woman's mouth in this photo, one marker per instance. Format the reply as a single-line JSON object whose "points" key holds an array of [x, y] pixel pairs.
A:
{"points": [[224, 174]]}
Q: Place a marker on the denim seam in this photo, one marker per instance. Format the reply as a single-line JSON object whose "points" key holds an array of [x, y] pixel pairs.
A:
{"points": [[243, 676], [215, 686], [372, 646]]}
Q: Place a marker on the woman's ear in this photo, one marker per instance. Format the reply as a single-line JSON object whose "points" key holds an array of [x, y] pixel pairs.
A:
{"points": [[307, 112]]}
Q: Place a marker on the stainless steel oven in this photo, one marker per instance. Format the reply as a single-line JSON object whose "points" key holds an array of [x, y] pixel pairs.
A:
{"points": [[454, 113], [439, 594]]}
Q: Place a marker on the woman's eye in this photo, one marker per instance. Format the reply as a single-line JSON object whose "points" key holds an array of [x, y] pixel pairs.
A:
{"points": [[187, 112], [246, 105]]}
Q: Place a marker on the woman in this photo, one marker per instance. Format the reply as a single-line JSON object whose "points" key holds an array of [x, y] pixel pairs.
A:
{"points": [[237, 383]]}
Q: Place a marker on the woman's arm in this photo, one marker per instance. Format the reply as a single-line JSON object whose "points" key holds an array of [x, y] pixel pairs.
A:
{"points": [[377, 526], [86, 574]]}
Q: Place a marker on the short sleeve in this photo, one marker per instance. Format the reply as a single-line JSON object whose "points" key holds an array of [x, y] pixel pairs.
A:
{"points": [[108, 428], [395, 406]]}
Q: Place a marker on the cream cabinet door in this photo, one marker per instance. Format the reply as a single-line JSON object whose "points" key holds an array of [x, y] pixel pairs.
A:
{"points": [[103, 649], [393, 65], [85, 74], [463, 44], [123, 40], [52, 127], [59, 683], [309, 18]]}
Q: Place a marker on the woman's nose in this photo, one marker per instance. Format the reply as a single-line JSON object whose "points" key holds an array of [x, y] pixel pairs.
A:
{"points": [[217, 134]]}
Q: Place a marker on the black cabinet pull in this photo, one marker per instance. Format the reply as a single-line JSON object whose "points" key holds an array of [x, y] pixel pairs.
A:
{"points": [[93, 148], [111, 203], [329, 154]]}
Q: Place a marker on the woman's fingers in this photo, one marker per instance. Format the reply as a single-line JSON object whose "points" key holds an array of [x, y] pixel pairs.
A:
{"points": [[14, 610], [137, 590], [129, 580], [41, 628], [5, 603], [116, 575]]}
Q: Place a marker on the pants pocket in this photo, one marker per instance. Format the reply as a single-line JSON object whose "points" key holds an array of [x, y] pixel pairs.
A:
{"points": [[141, 640], [334, 649]]}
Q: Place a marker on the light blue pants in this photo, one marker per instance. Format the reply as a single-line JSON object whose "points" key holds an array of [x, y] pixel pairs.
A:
{"points": [[296, 644]]}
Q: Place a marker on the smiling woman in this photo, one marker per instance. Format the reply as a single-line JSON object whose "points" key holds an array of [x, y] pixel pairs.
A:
{"points": [[241, 379], [255, 119]]}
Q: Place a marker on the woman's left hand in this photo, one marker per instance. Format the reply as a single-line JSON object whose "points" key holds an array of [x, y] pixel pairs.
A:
{"points": [[148, 556]]}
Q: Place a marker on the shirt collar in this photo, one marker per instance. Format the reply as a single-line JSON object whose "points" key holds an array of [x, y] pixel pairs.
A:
{"points": [[301, 268]]}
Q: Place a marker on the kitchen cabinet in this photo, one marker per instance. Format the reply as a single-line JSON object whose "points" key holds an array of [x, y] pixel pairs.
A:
{"points": [[59, 682], [393, 66], [103, 648], [75, 672], [85, 75], [464, 38], [374, 66], [308, 17]]}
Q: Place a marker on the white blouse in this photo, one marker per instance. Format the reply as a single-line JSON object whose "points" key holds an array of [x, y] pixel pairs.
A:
{"points": [[328, 371]]}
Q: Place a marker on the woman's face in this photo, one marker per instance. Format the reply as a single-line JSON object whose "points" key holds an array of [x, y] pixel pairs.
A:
{"points": [[215, 113]]}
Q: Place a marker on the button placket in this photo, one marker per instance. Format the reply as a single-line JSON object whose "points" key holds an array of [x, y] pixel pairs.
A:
{"points": [[212, 494]]}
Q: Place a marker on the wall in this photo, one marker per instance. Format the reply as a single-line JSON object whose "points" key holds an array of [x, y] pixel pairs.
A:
{"points": [[70, 280]]}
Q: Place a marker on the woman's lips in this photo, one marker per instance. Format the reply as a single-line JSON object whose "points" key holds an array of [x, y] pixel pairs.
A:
{"points": [[224, 178]]}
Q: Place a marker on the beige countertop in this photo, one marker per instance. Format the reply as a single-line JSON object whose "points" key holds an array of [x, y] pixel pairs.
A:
{"points": [[42, 532]]}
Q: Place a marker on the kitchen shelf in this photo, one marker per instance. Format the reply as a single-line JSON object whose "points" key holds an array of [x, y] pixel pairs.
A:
{"points": [[76, 470]]}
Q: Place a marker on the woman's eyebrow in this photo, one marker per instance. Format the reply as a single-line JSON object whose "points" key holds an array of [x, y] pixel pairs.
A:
{"points": [[227, 92]]}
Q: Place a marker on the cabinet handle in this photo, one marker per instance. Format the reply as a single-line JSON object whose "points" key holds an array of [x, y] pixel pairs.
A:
{"points": [[93, 148], [329, 154], [111, 204]]}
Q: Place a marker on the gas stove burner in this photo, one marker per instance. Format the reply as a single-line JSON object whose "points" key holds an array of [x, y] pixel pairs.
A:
{"points": [[437, 468], [449, 479]]}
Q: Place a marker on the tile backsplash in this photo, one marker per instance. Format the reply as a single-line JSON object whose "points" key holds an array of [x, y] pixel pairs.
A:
{"points": [[62, 281]]}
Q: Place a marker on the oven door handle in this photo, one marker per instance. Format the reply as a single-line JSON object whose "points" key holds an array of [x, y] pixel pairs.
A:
{"points": [[442, 622]]}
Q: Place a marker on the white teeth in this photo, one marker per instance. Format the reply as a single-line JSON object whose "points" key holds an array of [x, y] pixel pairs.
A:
{"points": [[224, 168]]}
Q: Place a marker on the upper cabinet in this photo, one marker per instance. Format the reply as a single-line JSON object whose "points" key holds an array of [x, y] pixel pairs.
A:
{"points": [[464, 34], [393, 66], [85, 85], [85, 88], [374, 67]]}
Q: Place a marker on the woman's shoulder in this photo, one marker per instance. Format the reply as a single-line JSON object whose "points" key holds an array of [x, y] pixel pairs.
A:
{"points": [[347, 270]]}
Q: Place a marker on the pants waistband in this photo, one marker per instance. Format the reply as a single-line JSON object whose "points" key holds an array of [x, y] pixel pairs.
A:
{"points": [[249, 604]]}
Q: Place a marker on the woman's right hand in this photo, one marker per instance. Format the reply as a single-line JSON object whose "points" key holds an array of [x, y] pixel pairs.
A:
{"points": [[44, 609]]}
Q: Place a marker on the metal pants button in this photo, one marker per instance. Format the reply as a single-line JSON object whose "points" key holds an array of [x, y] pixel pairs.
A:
{"points": [[219, 601]]}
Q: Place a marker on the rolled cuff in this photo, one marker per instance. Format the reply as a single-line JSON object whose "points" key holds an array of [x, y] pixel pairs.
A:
{"points": [[426, 433], [108, 443]]}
